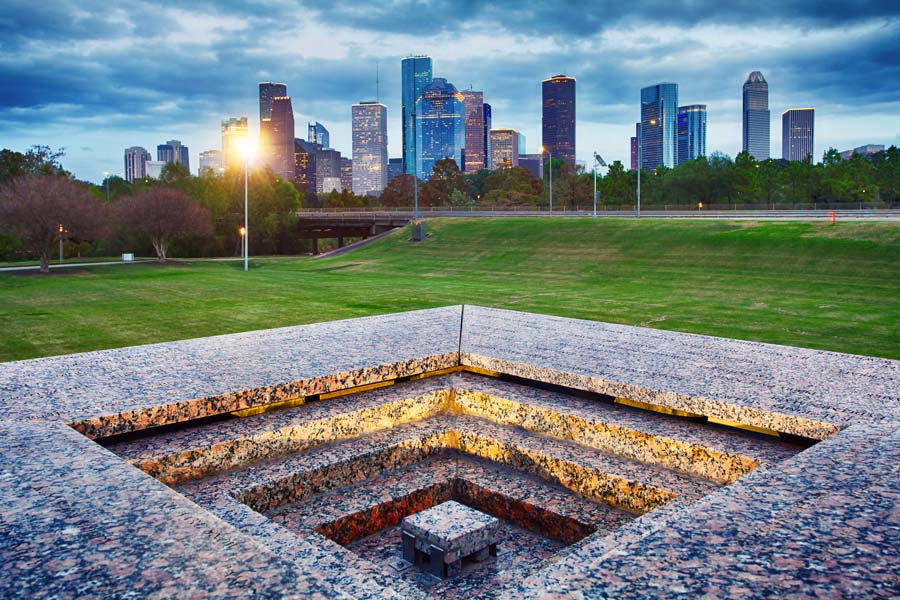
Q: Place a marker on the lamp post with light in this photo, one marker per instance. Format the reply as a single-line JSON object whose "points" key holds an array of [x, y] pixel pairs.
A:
{"points": [[247, 149], [61, 230], [598, 162], [550, 153], [242, 232]]}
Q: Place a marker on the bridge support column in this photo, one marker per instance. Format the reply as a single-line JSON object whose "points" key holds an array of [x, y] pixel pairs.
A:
{"points": [[340, 242], [315, 242]]}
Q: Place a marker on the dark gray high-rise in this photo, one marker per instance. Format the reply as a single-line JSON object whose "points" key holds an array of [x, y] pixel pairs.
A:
{"points": [[756, 116], [267, 92], [658, 128], [558, 117], [797, 129], [487, 135]]}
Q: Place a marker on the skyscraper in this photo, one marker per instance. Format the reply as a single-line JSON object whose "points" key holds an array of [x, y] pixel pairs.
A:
{"points": [[136, 159], [797, 128], [474, 109], [234, 133], [504, 148], [691, 132], [657, 133], [211, 162], [395, 168], [173, 152], [416, 75], [346, 174], [534, 163], [756, 116], [267, 92], [558, 118], [328, 170], [487, 135], [305, 164], [370, 142], [276, 138], [317, 134], [440, 126]]}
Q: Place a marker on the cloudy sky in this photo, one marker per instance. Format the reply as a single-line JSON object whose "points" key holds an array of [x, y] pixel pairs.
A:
{"points": [[95, 77]]}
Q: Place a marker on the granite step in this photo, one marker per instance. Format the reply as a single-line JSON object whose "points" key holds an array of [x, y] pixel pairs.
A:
{"points": [[369, 506], [180, 455], [714, 452], [616, 480]]}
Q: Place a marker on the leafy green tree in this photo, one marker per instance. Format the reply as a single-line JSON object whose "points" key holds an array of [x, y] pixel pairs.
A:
{"points": [[444, 179], [399, 193], [618, 186], [37, 160]]}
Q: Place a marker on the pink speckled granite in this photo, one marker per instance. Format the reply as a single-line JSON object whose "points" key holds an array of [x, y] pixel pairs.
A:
{"points": [[455, 528], [116, 391], [78, 521], [809, 393]]}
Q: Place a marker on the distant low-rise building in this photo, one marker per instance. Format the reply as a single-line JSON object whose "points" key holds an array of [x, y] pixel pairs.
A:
{"points": [[534, 163], [395, 168], [154, 168], [867, 151]]}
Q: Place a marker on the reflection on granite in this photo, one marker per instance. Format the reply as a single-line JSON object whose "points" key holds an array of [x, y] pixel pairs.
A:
{"points": [[809, 393], [115, 391], [79, 520]]}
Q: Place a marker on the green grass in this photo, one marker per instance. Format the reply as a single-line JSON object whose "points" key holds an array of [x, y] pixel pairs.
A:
{"points": [[804, 284]]}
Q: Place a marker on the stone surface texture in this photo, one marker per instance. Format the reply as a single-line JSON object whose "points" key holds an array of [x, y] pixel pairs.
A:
{"points": [[651, 505], [454, 528]]}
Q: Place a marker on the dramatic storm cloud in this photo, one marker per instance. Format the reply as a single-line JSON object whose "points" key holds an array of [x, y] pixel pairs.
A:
{"points": [[95, 77]]}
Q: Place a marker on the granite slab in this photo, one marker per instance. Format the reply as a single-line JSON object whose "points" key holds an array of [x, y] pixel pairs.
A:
{"points": [[455, 528], [809, 393], [77, 521], [126, 389]]}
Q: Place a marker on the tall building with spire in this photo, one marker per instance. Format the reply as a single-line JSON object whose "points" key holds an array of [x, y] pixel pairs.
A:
{"points": [[416, 75], [558, 117], [657, 132], [370, 147], [235, 132], [440, 126], [797, 129], [475, 159], [136, 159], [756, 116], [276, 138]]}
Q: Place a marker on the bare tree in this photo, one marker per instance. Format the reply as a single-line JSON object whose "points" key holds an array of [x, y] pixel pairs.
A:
{"points": [[164, 215], [38, 209]]}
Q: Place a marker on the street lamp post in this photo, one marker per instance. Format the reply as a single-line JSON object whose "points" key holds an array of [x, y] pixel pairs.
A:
{"points": [[415, 171], [598, 162], [106, 184], [550, 153], [246, 211], [641, 161], [60, 243]]}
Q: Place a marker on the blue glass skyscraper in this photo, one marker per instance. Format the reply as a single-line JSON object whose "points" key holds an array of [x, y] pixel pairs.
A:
{"points": [[415, 77], [659, 112], [691, 132], [440, 126]]}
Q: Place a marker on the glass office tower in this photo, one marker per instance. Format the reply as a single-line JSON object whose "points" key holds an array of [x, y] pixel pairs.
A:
{"points": [[756, 116], [558, 117], [691, 132], [657, 133], [440, 126], [416, 75], [797, 127], [370, 147]]}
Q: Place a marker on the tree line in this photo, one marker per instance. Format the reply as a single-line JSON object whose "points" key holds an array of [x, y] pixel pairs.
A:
{"points": [[40, 202]]}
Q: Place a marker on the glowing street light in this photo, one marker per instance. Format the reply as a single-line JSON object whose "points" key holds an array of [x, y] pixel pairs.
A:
{"points": [[547, 150], [242, 232], [247, 150], [61, 231]]}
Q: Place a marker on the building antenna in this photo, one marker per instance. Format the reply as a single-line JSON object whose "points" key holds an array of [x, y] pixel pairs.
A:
{"points": [[377, 84]]}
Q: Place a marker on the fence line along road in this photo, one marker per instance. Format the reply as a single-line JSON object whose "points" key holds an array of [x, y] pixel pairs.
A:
{"points": [[761, 214]]}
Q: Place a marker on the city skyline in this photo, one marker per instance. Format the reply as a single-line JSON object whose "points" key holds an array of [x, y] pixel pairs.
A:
{"points": [[57, 59]]}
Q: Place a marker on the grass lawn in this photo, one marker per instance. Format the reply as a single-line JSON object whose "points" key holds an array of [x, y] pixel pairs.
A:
{"points": [[805, 284]]}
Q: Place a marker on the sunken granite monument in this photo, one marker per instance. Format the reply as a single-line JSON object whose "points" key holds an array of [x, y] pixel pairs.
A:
{"points": [[522, 456]]}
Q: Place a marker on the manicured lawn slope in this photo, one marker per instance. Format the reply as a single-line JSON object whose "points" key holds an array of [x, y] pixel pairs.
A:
{"points": [[804, 284]]}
